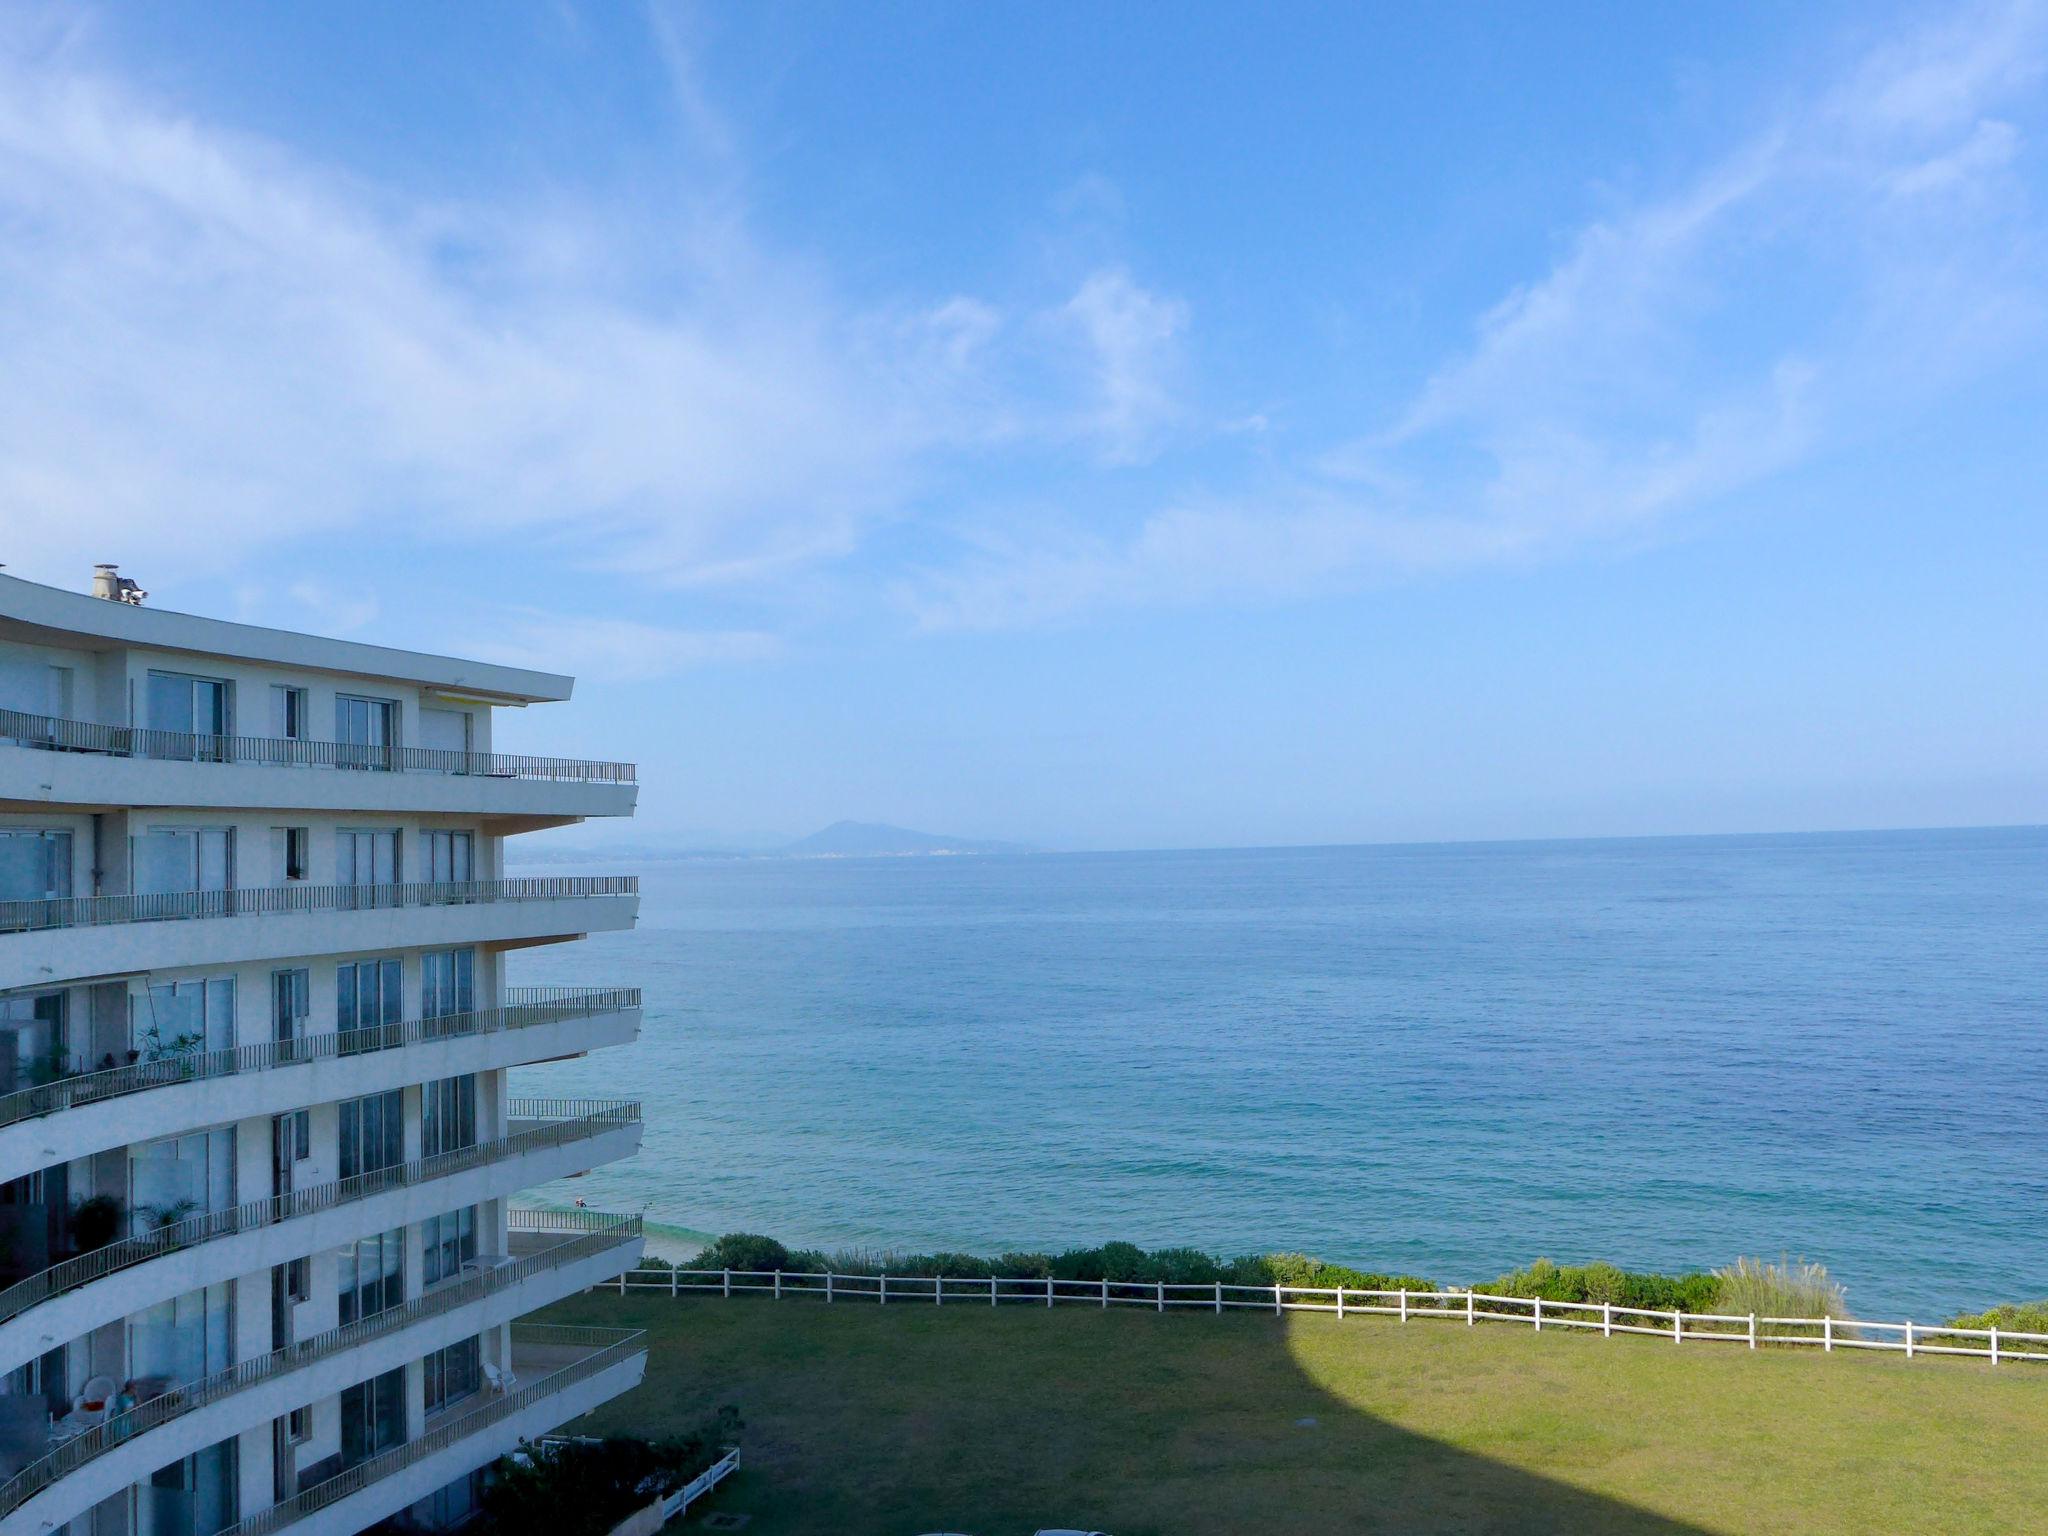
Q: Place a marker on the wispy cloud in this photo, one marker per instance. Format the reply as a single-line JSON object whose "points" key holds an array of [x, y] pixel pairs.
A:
{"points": [[617, 650], [1834, 269], [203, 329]]}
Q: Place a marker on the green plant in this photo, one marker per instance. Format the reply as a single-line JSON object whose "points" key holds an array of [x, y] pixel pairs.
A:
{"points": [[1750, 1287], [2021, 1317], [743, 1250], [94, 1222], [574, 1488], [169, 1213]]}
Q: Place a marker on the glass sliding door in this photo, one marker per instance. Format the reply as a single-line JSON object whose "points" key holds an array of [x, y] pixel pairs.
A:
{"points": [[447, 1243], [369, 994], [291, 1002], [366, 859], [448, 1115], [198, 1496], [180, 1177], [449, 856], [35, 866], [447, 983], [372, 1133], [366, 730], [370, 1275], [34, 1047], [174, 860], [194, 710], [178, 1017], [372, 1417]]}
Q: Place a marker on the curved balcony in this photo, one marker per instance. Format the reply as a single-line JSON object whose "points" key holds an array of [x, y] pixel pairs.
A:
{"points": [[98, 1110], [131, 1445], [569, 1370], [72, 938], [78, 762], [78, 1294]]}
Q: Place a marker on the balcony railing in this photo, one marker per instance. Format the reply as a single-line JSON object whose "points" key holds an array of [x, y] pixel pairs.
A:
{"points": [[179, 906], [524, 1006], [594, 1118], [608, 1347], [598, 1233], [59, 735]]}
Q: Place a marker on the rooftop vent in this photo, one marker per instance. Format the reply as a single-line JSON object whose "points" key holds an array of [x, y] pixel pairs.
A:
{"points": [[108, 582]]}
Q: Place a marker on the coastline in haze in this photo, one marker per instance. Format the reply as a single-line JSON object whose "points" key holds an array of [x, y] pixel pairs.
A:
{"points": [[1442, 1059]]}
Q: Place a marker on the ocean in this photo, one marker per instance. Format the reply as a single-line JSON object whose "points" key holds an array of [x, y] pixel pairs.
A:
{"points": [[1438, 1059]]}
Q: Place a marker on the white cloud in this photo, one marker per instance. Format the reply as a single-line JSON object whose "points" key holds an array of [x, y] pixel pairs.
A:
{"points": [[1129, 338], [203, 331], [1799, 291]]}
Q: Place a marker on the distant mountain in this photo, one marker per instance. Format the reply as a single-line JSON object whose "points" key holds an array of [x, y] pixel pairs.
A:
{"points": [[873, 840]]}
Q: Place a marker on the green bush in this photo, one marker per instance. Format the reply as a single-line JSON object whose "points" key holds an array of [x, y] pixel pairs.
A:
{"points": [[578, 1489], [1785, 1289], [2025, 1317], [1601, 1282], [743, 1250]]}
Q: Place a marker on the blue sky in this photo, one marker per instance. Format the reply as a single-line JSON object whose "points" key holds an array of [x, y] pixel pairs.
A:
{"points": [[1051, 423]]}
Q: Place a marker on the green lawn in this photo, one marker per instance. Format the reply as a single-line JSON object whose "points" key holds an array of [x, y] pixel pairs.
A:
{"points": [[912, 1419]]}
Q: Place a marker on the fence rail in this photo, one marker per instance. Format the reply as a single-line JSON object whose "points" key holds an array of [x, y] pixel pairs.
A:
{"points": [[1469, 1307], [524, 1007], [56, 734], [609, 1346], [179, 906], [603, 1232], [599, 1117]]}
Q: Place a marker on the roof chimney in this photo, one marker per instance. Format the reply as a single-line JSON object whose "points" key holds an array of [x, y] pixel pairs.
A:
{"points": [[109, 583]]}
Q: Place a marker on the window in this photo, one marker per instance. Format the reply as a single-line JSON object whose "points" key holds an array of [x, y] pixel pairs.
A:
{"points": [[288, 712], [372, 1133], [453, 1373], [366, 729], [370, 1275], [294, 852], [448, 1115], [372, 1417], [448, 856], [170, 860], [194, 710], [290, 1003], [298, 1426], [180, 1016], [298, 1279], [34, 865], [364, 858], [368, 993], [198, 1496], [180, 1177], [449, 1242], [32, 1037], [292, 1136], [447, 983]]}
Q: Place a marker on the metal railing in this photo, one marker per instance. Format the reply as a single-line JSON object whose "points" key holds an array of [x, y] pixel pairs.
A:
{"points": [[125, 1253], [609, 1347], [602, 1232], [177, 906], [524, 1006], [1470, 1307], [55, 734]]}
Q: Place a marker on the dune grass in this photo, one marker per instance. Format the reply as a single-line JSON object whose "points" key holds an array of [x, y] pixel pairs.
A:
{"points": [[912, 1419]]}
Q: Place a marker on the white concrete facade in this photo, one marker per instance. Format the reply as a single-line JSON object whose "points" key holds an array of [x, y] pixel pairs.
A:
{"points": [[260, 1263]]}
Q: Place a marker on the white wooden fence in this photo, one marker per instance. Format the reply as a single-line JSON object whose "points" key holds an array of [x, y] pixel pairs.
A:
{"points": [[1999, 1346]]}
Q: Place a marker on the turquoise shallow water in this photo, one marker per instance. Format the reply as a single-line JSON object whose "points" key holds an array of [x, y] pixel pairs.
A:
{"points": [[1445, 1059]]}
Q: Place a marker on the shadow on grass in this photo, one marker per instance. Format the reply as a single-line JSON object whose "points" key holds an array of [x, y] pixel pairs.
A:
{"points": [[996, 1422]]}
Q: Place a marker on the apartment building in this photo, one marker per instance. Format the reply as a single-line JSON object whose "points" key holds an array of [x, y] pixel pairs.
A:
{"points": [[260, 1263]]}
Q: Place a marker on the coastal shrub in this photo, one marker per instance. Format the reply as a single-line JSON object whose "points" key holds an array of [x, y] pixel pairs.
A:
{"points": [[1306, 1270], [1784, 1289], [577, 1488], [1029, 1266], [743, 1250], [2026, 1317], [1602, 1282], [1185, 1266]]}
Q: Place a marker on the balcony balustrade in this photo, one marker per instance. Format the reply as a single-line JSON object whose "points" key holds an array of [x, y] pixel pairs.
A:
{"points": [[51, 733]]}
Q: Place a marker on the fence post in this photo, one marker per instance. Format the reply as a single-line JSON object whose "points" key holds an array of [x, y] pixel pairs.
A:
{"points": [[778, 1285], [622, 1282], [1752, 1330], [1340, 1301], [1276, 1301], [1471, 1312], [1909, 1338], [1827, 1335], [672, 1281], [1403, 1294], [1162, 1294], [1677, 1327], [1994, 1343], [1539, 1314], [728, 1284], [991, 1290], [828, 1286], [1606, 1319], [1219, 1298], [1105, 1292], [938, 1290], [1048, 1290]]}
